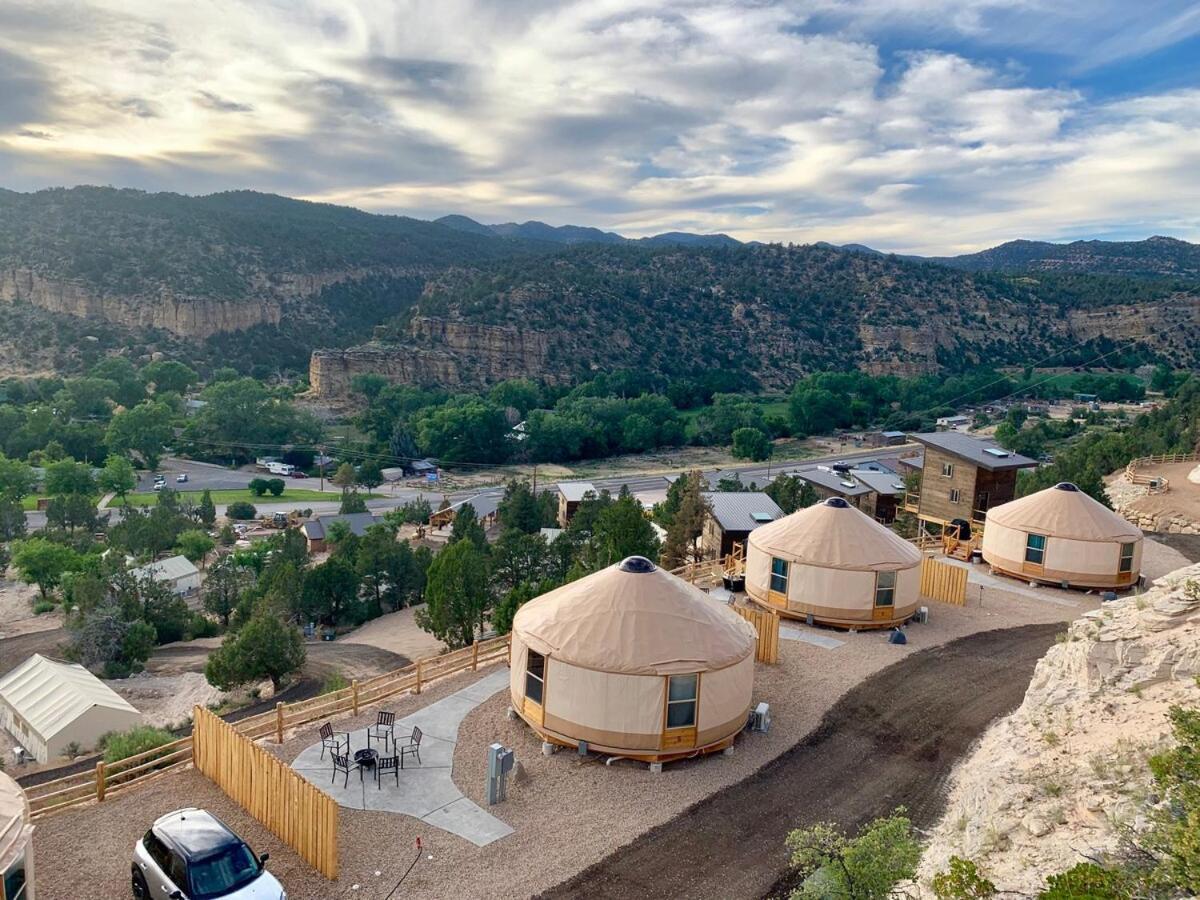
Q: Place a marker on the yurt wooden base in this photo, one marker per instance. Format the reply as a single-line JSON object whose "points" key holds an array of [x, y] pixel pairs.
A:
{"points": [[1055, 579], [898, 616], [661, 756]]}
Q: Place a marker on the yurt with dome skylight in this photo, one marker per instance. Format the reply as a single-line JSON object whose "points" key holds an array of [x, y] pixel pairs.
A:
{"points": [[635, 662], [1062, 536], [835, 565]]}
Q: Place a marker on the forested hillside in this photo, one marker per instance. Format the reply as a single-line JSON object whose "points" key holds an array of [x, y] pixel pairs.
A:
{"points": [[1156, 257], [772, 312]]}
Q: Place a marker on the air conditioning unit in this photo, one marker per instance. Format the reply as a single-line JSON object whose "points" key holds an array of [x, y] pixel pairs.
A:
{"points": [[921, 616], [760, 718]]}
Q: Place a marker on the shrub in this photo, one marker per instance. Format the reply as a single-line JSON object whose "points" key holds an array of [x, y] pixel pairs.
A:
{"points": [[276, 486], [121, 744], [240, 509], [334, 681], [201, 626], [258, 486], [42, 606]]}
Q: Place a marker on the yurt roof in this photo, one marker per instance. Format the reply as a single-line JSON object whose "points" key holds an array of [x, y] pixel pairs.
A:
{"points": [[834, 535], [635, 618], [1064, 511], [12, 805]]}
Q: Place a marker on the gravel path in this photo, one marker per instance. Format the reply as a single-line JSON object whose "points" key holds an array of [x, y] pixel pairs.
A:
{"points": [[568, 812], [893, 740]]}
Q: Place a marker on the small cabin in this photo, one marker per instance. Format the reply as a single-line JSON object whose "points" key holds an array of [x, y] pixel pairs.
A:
{"points": [[570, 495], [962, 477], [732, 516]]}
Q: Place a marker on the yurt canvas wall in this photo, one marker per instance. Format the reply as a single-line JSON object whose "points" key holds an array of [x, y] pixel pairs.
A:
{"points": [[836, 564], [16, 844], [1061, 535], [636, 663]]}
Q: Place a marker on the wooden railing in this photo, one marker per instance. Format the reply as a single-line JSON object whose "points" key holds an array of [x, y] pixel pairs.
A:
{"points": [[696, 571], [766, 623], [108, 778], [1156, 483]]}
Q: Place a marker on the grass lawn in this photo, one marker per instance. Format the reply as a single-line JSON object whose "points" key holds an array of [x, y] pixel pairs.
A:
{"points": [[28, 503], [148, 498]]}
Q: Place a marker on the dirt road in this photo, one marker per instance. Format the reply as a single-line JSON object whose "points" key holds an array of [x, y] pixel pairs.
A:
{"points": [[890, 741], [18, 648]]}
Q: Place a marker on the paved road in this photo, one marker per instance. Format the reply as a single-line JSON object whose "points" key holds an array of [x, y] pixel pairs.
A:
{"points": [[891, 741]]}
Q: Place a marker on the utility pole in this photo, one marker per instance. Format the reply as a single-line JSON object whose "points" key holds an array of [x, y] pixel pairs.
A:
{"points": [[535, 480], [321, 460]]}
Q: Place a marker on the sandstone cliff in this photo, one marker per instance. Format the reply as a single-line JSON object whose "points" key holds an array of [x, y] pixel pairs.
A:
{"points": [[1059, 779]]}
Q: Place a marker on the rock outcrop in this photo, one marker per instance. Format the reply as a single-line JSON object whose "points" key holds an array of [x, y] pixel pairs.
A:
{"points": [[439, 352], [1066, 772]]}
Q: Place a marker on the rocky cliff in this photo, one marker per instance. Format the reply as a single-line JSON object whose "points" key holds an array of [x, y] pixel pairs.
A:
{"points": [[1059, 779]]}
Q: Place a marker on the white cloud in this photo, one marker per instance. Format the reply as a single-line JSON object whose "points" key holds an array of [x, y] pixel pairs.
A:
{"points": [[771, 120]]}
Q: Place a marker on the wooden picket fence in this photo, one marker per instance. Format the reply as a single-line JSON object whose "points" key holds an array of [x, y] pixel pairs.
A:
{"points": [[943, 581], [107, 779], [766, 623], [294, 810], [1157, 483]]}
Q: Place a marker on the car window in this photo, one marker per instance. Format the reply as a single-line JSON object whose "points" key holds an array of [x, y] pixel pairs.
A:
{"points": [[224, 871], [158, 852], [179, 872]]}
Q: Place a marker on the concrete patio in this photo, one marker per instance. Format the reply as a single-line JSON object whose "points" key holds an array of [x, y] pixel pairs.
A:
{"points": [[426, 790]]}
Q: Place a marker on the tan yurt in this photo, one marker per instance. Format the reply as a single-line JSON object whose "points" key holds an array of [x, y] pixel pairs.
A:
{"points": [[1063, 536], [635, 662], [836, 565], [16, 844]]}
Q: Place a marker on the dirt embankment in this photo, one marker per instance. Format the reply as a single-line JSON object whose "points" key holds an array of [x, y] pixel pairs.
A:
{"points": [[890, 741], [1059, 780]]}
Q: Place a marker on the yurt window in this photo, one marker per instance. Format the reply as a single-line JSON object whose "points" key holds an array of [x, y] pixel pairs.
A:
{"points": [[885, 588], [681, 700], [779, 575], [535, 677], [1035, 549], [14, 880], [1126, 558]]}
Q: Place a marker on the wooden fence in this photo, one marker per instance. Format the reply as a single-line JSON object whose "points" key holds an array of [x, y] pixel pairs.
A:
{"points": [[766, 623], [943, 581], [106, 779], [1157, 483], [294, 810]]}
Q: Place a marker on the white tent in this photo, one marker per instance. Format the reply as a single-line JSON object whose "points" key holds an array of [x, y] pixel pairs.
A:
{"points": [[48, 705], [176, 572], [1062, 536], [635, 662], [836, 564]]}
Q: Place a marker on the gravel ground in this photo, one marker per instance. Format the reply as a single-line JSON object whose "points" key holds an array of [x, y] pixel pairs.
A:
{"points": [[568, 812]]}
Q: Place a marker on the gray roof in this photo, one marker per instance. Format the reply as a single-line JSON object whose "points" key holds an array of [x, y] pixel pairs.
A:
{"points": [[483, 504], [743, 510], [169, 569], [892, 434], [834, 481], [318, 528], [983, 453], [574, 490], [880, 482]]}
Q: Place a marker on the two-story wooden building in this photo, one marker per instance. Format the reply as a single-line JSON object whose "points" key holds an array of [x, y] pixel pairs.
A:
{"points": [[962, 477]]}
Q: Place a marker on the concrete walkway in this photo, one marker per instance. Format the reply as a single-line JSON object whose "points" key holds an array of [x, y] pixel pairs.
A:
{"points": [[796, 632], [426, 790], [979, 574]]}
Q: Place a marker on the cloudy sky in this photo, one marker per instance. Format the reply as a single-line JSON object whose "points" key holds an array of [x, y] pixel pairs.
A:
{"points": [[911, 125]]}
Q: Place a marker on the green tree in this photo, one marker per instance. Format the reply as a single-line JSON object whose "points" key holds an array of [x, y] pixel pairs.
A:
{"points": [[370, 475], [240, 509], [206, 512], [117, 477], [457, 594], [464, 429], [17, 479], [520, 394], [519, 508], [276, 486], [223, 589], [72, 511], [865, 867], [169, 376], [69, 477], [352, 502], [145, 430], [345, 477], [330, 591], [106, 637], [12, 519], [517, 557], [622, 530], [752, 444], [683, 535], [265, 647], [257, 486], [791, 492], [194, 544], [467, 527], [43, 562]]}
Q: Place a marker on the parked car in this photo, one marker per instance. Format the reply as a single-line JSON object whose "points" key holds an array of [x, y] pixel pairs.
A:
{"points": [[299, 473], [181, 477], [190, 854]]}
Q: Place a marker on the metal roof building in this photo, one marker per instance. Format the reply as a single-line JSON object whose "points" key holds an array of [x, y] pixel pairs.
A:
{"points": [[177, 572], [48, 705]]}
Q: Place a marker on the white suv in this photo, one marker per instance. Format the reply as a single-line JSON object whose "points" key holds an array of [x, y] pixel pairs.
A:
{"points": [[190, 854]]}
